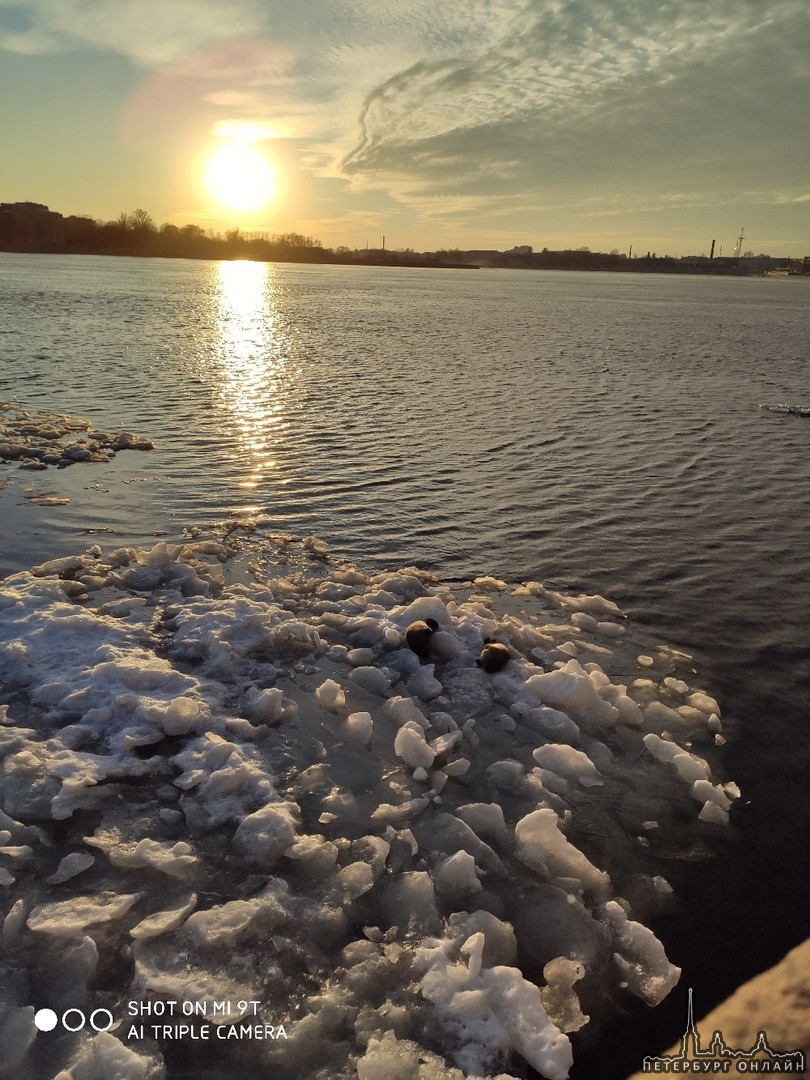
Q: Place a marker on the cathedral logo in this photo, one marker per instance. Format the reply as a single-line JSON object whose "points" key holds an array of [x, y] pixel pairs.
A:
{"points": [[719, 1059]]}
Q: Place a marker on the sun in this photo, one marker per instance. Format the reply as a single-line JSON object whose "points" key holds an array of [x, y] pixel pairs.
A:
{"points": [[239, 176]]}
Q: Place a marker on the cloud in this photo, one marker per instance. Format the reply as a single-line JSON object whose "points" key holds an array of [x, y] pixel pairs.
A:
{"points": [[586, 95], [788, 199], [229, 59], [468, 111], [150, 32], [242, 79]]}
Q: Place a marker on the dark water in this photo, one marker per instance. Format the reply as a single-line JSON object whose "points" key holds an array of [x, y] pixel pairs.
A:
{"points": [[601, 432]]}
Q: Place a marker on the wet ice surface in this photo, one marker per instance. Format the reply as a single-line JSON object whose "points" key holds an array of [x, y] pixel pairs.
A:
{"points": [[227, 779]]}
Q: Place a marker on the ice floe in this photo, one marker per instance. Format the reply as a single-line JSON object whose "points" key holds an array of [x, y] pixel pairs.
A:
{"points": [[37, 440], [228, 779]]}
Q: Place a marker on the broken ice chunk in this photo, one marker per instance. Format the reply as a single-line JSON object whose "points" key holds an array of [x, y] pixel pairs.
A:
{"points": [[182, 715], [360, 726], [640, 956], [411, 746], [355, 880], [558, 996], [264, 705], [265, 835], [567, 762], [540, 845], [403, 709], [330, 696], [456, 876], [69, 917], [74, 863], [389, 814], [371, 679], [177, 860], [161, 922]]}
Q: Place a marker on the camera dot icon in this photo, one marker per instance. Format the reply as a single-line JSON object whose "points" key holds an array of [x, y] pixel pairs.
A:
{"points": [[73, 1020], [45, 1019]]}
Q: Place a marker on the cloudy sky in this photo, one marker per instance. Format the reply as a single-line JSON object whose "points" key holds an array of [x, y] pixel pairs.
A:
{"points": [[661, 124]]}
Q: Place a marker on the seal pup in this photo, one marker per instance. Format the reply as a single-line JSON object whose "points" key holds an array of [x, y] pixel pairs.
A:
{"points": [[418, 635], [494, 656]]}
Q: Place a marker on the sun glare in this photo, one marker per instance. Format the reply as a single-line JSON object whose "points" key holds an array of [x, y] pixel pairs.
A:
{"points": [[239, 176]]}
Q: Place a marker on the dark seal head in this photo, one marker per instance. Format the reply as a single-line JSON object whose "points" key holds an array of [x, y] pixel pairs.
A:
{"points": [[494, 656], [418, 635]]}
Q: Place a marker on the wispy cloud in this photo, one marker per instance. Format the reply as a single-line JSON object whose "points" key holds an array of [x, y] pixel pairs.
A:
{"points": [[585, 83], [150, 32], [241, 78]]}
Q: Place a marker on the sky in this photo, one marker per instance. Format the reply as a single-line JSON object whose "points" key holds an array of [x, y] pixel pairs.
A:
{"points": [[659, 125]]}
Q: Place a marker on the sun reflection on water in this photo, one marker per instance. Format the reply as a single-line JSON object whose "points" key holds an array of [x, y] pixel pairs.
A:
{"points": [[252, 350]]}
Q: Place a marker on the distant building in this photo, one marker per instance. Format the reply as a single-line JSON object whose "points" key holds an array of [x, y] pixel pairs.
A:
{"points": [[28, 226]]}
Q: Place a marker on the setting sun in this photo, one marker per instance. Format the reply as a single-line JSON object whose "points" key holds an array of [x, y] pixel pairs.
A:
{"points": [[239, 176]]}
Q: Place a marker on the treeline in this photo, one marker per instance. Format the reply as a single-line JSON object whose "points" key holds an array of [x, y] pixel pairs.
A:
{"points": [[135, 233], [32, 227]]}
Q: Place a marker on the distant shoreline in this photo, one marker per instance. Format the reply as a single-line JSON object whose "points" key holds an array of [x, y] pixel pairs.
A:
{"points": [[665, 265], [32, 228], [430, 264]]}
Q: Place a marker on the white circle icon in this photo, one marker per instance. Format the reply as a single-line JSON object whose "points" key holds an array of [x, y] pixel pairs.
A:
{"points": [[45, 1019], [97, 1013], [81, 1018]]}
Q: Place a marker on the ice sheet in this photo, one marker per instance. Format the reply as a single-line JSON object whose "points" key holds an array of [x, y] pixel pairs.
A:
{"points": [[226, 778]]}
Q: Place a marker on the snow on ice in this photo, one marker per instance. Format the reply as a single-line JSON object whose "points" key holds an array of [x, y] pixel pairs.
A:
{"points": [[226, 777]]}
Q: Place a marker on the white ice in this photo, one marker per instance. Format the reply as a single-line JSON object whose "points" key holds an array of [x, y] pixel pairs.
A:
{"points": [[227, 775]]}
